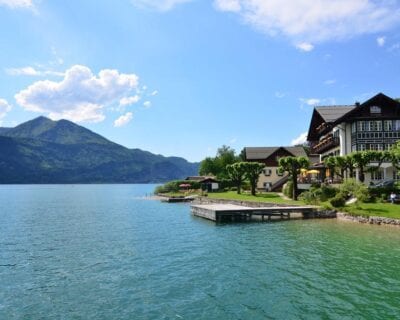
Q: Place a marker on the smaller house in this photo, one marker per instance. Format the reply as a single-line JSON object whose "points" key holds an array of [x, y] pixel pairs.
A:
{"points": [[271, 179], [208, 183]]}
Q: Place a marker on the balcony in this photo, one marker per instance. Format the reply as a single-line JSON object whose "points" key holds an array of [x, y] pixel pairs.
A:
{"points": [[323, 127], [327, 143]]}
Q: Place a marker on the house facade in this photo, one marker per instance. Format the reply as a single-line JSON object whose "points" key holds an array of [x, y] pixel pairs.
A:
{"points": [[271, 179], [341, 130]]}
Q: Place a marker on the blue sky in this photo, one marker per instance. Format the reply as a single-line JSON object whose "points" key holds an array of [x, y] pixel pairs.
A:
{"points": [[182, 77]]}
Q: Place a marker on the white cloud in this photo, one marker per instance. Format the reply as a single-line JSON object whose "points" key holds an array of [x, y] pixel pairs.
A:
{"points": [[161, 5], [147, 104], [330, 82], [17, 4], [315, 21], [80, 96], [154, 93], [24, 71], [228, 5], [312, 101], [123, 120], [305, 46], [280, 95], [31, 71], [127, 101], [381, 41], [5, 107], [233, 141], [301, 139]]}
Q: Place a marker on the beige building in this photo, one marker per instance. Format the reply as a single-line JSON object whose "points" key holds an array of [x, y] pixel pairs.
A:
{"points": [[271, 179]]}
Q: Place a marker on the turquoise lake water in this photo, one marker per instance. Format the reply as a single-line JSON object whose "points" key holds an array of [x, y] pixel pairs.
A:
{"points": [[105, 252]]}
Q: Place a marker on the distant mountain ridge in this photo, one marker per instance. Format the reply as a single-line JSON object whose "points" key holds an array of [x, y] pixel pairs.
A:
{"points": [[46, 151]]}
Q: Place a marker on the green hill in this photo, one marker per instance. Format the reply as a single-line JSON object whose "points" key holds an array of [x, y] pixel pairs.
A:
{"points": [[46, 151]]}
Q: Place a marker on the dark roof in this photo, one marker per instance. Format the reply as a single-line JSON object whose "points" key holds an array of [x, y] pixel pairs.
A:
{"points": [[332, 113], [259, 153]]}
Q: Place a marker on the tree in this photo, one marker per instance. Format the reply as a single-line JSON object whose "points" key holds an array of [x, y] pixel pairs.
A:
{"points": [[330, 163], [237, 173], [208, 167], [293, 166], [361, 160], [341, 165], [350, 164], [217, 166], [252, 173], [394, 155]]}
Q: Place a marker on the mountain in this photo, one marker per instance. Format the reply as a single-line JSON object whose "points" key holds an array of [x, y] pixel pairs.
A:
{"points": [[46, 151]]}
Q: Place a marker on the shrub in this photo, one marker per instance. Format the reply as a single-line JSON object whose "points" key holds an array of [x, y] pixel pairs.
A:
{"points": [[288, 189], [338, 201], [173, 186], [328, 192], [352, 188], [311, 197]]}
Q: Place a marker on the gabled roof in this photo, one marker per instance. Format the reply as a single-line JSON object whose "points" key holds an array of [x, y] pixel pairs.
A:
{"points": [[332, 113], [379, 99], [261, 153]]}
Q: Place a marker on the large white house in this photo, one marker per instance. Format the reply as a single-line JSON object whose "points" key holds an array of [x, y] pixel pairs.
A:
{"points": [[372, 125]]}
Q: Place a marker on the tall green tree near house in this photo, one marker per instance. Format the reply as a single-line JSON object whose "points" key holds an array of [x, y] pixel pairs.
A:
{"points": [[252, 173], [361, 161], [293, 166], [216, 166], [237, 174], [394, 155], [330, 163]]}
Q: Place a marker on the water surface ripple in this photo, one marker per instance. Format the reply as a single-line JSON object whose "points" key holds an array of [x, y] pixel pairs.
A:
{"points": [[105, 252]]}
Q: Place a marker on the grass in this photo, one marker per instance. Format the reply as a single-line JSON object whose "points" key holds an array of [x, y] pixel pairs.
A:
{"points": [[270, 197], [386, 210]]}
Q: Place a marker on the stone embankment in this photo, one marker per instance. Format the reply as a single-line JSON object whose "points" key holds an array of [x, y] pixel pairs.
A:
{"points": [[369, 220]]}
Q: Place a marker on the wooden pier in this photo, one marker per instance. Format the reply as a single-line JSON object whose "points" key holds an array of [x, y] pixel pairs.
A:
{"points": [[231, 212]]}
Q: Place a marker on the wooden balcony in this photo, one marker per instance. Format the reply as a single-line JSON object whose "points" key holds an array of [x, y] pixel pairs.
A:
{"points": [[327, 143]]}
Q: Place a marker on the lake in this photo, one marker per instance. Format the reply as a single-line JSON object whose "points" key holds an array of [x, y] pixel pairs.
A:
{"points": [[107, 252]]}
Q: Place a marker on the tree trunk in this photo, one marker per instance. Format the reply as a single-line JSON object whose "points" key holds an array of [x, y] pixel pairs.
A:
{"points": [[294, 180], [361, 176], [253, 188], [239, 186]]}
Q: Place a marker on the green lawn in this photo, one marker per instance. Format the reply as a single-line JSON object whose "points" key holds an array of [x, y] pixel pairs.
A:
{"points": [[270, 197], [386, 210]]}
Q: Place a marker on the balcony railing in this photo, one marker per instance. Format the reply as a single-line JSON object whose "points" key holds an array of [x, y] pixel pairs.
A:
{"points": [[327, 143]]}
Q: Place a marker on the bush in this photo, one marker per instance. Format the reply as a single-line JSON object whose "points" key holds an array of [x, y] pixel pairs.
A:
{"points": [[316, 195], [352, 188], [328, 192], [338, 201], [311, 197], [288, 189], [173, 186]]}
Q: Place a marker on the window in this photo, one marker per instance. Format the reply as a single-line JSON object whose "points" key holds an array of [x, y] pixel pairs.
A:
{"points": [[388, 146], [267, 172], [267, 185], [377, 175], [396, 125], [388, 125], [374, 125], [361, 147], [353, 148], [375, 109], [353, 127], [361, 125], [375, 146]]}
